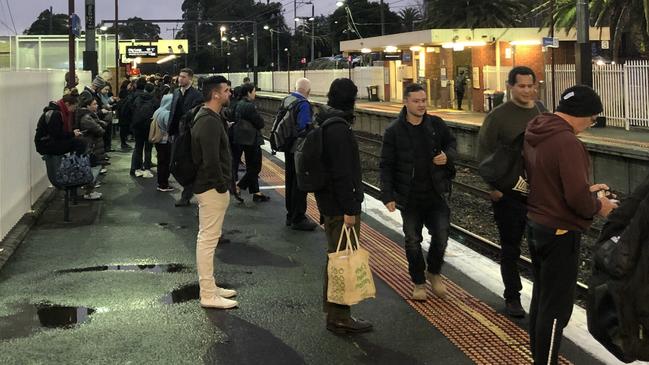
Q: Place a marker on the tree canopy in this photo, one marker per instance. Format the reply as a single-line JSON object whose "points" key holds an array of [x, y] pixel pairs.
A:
{"points": [[137, 28], [48, 23]]}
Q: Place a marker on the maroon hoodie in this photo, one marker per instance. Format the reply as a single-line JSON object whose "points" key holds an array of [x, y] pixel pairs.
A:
{"points": [[558, 166]]}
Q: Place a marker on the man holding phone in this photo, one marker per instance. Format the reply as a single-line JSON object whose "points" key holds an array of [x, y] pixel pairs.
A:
{"points": [[416, 172]]}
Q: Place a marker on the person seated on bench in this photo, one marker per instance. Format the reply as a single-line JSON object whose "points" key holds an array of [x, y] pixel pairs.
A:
{"points": [[54, 134]]}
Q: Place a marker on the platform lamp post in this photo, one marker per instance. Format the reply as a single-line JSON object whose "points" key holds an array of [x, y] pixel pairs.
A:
{"points": [[271, 30], [222, 29], [584, 65], [288, 67]]}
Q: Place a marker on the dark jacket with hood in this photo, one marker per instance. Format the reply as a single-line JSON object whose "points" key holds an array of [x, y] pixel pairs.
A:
{"points": [[211, 152], [93, 131], [344, 192], [398, 158], [143, 108], [246, 110], [51, 137], [558, 166]]}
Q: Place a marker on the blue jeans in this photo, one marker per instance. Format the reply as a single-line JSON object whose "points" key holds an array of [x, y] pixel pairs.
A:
{"points": [[434, 214]]}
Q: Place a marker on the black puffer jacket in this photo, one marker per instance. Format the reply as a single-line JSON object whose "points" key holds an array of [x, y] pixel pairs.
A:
{"points": [[398, 158], [245, 109], [143, 108], [344, 192]]}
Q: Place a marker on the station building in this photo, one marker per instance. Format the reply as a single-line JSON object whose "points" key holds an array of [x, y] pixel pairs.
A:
{"points": [[434, 57]]}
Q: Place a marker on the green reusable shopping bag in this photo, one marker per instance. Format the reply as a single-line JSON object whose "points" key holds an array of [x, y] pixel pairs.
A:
{"points": [[349, 274]]}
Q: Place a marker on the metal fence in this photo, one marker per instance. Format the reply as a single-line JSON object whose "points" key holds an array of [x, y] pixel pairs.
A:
{"points": [[624, 90]]}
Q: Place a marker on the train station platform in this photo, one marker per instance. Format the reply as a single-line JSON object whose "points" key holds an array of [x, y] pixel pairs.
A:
{"points": [[608, 136], [118, 285]]}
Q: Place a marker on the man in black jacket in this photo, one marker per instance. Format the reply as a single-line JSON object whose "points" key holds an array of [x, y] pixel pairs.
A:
{"points": [[185, 99], [340, 202], [416, 171]]}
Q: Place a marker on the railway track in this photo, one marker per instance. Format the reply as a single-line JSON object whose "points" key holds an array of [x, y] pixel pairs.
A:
{"points": [[482, 244]]}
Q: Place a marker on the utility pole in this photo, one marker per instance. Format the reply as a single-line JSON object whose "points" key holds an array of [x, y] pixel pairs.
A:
{"points": [[90, 54], [382, 18], [552, 66], [278, 45], [295, 15], [584, 65], [117, 42], [51, 26], [312, 32], [255, 60], [71, 46], [173, 31]]}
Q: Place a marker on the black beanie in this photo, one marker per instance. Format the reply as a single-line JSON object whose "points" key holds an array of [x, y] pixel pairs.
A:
{"points": [[580, 101]]}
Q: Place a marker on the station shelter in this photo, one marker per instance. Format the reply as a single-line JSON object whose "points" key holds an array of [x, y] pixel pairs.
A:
{"points": [[434, 57]]}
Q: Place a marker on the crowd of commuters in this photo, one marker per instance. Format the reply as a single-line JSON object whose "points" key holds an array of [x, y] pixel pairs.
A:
{"points": [[416, 173]]}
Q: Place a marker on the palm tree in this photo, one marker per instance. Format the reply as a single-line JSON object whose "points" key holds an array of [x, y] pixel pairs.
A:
{"points": [[410, 16], [476, 13], [619, 15]]}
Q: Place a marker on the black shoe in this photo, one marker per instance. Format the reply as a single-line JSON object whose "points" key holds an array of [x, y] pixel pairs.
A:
{"points": [[126, 147], [288, 222], [515, 309], [349, 325], [305, 225], [182, 203], [260, 198], [237, 196]]}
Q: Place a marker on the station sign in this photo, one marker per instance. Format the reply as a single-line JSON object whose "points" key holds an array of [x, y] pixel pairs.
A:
{"points": [[551, 42], [142, 51], [395, 56]]}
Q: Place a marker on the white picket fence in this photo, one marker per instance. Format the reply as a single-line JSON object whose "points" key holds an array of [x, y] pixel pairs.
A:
{"points": [[320, 79], [624, 90]]}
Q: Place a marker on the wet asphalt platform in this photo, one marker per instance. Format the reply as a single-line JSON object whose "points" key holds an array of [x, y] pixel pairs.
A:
{"points": [[118, 286]]}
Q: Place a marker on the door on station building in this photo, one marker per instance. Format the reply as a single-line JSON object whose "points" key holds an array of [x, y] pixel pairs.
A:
{"points": [[396, 87]]}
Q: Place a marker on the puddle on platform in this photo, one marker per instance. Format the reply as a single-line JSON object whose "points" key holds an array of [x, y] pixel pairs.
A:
{"points": [[183, 294], [30, 318], [240, 253], [160, 268]]}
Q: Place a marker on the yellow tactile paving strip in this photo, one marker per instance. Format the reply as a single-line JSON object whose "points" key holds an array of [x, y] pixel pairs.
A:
{"points": [[484, 335]]}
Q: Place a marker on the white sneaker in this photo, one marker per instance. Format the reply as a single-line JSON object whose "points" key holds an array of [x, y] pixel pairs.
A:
{"points": [[92, 196], [103, 171], [218, 302], [165, 190], [226, 293], [147, 174], [139, 173]]}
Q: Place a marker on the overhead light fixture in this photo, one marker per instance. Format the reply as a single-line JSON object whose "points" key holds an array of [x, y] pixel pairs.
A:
{"points": [[266, 27], [166, 59], [339, 3], [366, 50], [432, 49], [600, 63], [531, 42], [391, 49], [223, 28], [415, 48], [103, 28], [459, 46], [224, 39], [209, 43]]}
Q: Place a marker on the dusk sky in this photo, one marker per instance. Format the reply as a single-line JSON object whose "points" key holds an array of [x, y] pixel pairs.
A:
{"points": [[25, 11]]}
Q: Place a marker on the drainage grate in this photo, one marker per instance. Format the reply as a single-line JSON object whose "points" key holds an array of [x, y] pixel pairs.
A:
{"points": [[484, 335]]}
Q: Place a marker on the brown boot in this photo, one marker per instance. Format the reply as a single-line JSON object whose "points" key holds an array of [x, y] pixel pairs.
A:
{"points": [[419, 292], [439, 289]]}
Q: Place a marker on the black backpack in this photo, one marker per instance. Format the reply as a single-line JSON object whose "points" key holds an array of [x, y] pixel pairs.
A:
{"points": [[618, 289], [182, 165], [284, 130], [311, 173], [505, 169], [42, 135]]}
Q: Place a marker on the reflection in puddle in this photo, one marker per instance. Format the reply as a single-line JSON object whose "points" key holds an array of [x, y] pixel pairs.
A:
{"points": [[32, 317], [183, 294], [145, 268]]}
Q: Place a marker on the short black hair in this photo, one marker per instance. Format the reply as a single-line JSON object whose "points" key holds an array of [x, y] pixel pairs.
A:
{"points": [[149, 87], [246, 79], [342, 94], [166, 79], [520, 70], [187, 70], [210, 84], [246, 89], [412, 88], [140, 83]]}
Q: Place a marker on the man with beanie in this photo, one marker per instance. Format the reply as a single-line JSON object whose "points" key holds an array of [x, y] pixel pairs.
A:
{"points": [[561, 205]]}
